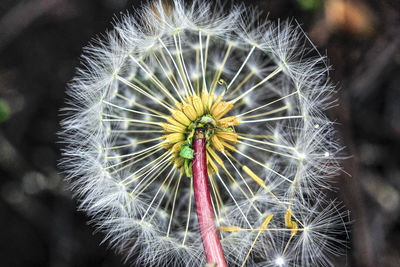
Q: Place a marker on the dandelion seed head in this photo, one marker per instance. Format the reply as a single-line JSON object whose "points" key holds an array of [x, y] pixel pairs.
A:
{"points": [[156, 77]]}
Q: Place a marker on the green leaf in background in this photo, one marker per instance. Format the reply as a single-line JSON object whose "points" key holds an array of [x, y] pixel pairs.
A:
{"points": [[309, 4], [4, 111]]}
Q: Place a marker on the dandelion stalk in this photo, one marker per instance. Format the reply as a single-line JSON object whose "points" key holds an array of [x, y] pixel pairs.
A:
{"points": [[205, 214]]}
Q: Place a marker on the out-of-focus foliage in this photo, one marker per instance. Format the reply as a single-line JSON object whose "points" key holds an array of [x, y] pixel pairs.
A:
{"points": [[4, 111], [310, 4]]}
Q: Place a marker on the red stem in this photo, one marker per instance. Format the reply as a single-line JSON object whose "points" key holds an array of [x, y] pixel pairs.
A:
{"points": [[205, 214]]}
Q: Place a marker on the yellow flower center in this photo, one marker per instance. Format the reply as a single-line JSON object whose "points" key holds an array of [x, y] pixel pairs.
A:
{"points": [[201, 111]]}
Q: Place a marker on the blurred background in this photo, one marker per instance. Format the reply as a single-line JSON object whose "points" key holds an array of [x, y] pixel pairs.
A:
{"points": [[40, 44]]}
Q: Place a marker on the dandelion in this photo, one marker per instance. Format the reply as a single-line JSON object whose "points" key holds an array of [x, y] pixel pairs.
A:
{"points": [[196, 137]]}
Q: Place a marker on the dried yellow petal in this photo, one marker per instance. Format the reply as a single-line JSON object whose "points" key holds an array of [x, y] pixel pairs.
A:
{"points": [[216, 143], [212, 164], [170, 128], [228, 136], [228, 121], [198, 106], [172, 121], [289, 223], [204, 99], [177, 146], [178, 105], [190, 112], [166, 145], [266, 222], [222, 109], [229, 228], [174, 137], [230, 147], [253, 176], [215, 156], [216, 103], [180, 117], [178, 161]]}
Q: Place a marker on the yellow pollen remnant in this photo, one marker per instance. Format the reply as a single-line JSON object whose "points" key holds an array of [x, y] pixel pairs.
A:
{"points": [[289, 223], [253, 176], [200, 110], [266, 222], [229, 228]]}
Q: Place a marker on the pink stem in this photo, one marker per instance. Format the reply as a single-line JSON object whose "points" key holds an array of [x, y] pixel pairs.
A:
{"points": [[205, 214]]}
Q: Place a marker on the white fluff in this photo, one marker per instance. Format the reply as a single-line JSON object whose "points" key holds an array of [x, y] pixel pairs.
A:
{"points": [[129, 187]]}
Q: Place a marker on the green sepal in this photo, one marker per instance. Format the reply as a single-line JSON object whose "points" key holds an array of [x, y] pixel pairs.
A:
{"points": [[189, 139], [209, 133], [188, 168], [186, 151], [206, 119], [230, 129], [191, 126]]}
